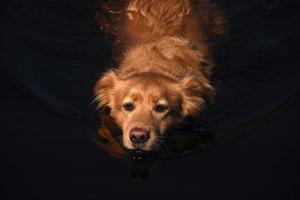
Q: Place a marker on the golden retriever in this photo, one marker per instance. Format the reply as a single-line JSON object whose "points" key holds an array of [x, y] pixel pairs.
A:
{"points": [[164, 72]]}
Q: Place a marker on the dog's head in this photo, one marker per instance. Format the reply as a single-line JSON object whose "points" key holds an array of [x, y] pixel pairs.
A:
{"points": [[145, 105]]}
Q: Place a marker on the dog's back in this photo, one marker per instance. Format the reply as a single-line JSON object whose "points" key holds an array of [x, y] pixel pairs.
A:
{"points": [[138, 21], [150, 19]]}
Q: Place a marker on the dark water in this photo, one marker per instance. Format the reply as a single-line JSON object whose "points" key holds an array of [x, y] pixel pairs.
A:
{"points": [[51, 54]]}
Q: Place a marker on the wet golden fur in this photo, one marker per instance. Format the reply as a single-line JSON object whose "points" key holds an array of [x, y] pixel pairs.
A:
{"points": [[166, 62]]}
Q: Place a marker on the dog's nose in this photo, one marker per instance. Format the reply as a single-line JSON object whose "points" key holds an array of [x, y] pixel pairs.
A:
{"points": [[139, 135]]}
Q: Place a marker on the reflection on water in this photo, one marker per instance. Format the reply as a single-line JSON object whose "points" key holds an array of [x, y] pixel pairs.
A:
{"points": [[185, 139]]}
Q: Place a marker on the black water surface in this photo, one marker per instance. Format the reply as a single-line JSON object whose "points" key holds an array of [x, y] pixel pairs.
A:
{"points": [[52, 52]]}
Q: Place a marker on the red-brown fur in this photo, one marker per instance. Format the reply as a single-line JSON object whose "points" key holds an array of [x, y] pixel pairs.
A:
{"points": [[165, 60]]}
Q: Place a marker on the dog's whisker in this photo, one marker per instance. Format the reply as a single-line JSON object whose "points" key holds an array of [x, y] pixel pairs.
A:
{"points": [[168, 141], [160, 136], [164, 147], [165, 138], [167, 148], [158, 148], [155, 149]]}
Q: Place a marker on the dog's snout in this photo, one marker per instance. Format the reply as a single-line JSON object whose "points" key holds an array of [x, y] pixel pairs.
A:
{"points": [[139, 135]]}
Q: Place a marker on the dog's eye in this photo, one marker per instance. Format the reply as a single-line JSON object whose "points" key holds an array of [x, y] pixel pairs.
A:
{"points": [[128, 107], [160, 108]]}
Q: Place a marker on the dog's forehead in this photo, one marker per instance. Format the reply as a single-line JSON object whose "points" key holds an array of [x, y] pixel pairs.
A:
{"points": [[141, 91], [152, 93]]}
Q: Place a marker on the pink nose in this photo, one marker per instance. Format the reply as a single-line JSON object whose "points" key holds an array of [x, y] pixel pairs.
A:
{"points": [[139, 135]]}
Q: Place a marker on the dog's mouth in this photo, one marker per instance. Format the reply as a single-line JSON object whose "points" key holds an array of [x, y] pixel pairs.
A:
{"points": [[141, 147], [139, 154]]}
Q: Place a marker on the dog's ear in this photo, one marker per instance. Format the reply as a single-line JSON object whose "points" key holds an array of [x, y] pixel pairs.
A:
{"points": [[104, 88], [196, 93]]}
